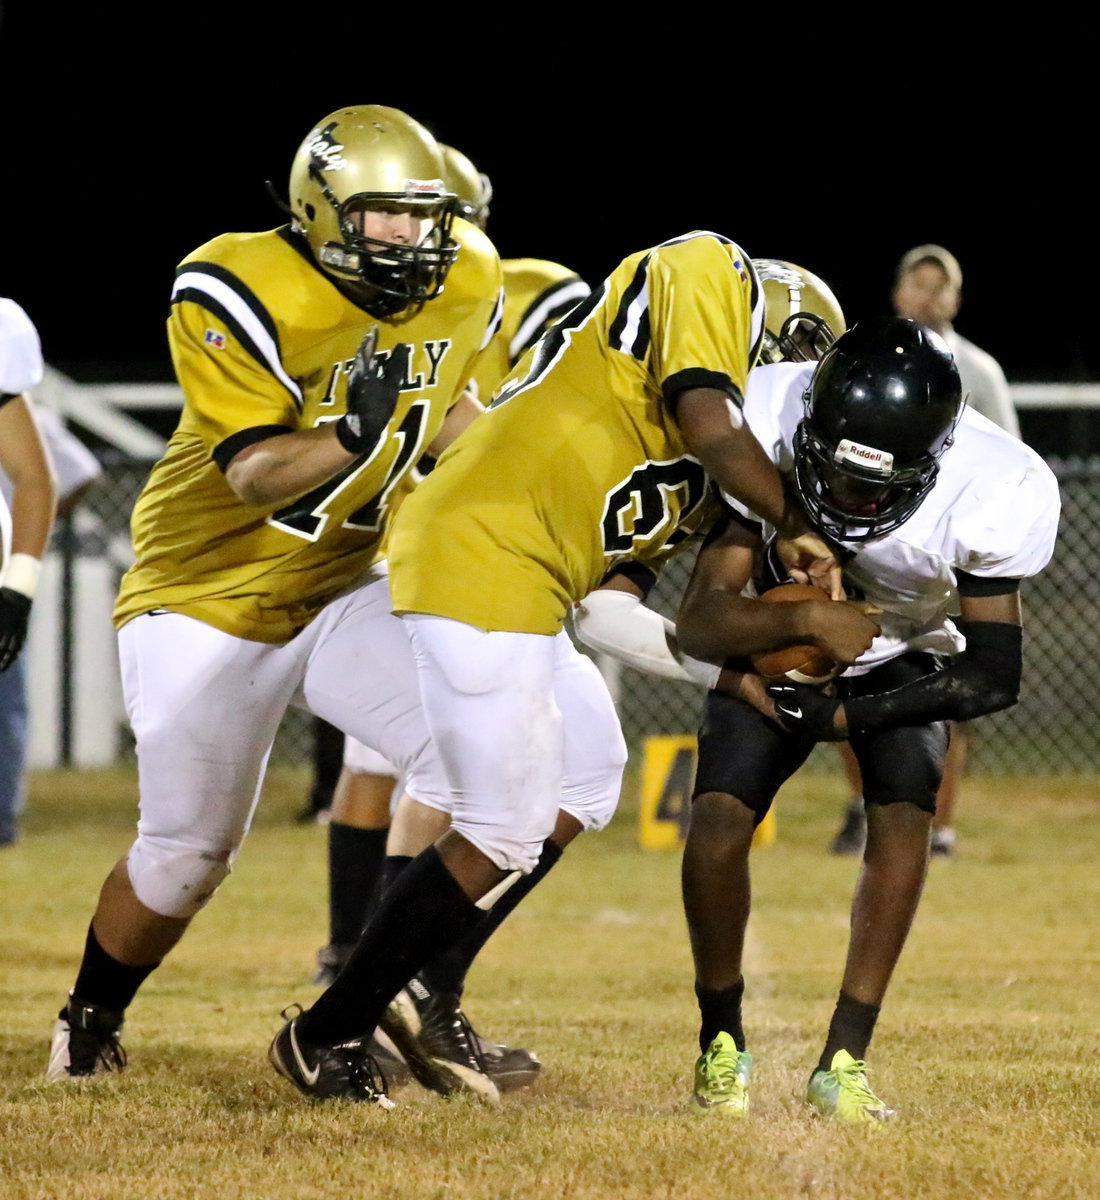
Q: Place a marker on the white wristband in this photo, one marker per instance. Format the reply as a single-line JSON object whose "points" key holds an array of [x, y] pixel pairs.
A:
{"points": [[21, 574]]}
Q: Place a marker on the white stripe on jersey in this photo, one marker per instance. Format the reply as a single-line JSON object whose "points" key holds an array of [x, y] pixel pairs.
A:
{"points": [[224, 295], [494, 320], [538, 316], [756, 324], [634, 315]]}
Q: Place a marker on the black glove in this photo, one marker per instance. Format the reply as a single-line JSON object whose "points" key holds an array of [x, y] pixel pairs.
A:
{"points": [[806, 711], [374, 384], [15, 612]]}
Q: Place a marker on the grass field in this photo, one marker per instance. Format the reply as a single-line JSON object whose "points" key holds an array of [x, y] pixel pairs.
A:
{"points": [[989, 1044]]}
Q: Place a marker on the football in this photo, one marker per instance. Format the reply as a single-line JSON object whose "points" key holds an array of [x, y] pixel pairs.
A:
{"points": [[795, 664]]}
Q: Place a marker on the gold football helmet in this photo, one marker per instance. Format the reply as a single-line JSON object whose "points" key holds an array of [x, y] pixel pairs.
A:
{"points": [[472, 186], [374, 157], [802, 316]]}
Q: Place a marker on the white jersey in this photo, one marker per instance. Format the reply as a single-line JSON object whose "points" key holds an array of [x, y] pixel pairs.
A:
{"points": [[20, 351], [20, 370], [992, 512]]}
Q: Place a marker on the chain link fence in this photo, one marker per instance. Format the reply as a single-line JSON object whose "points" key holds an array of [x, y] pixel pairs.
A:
{"points": [[1054, 728]]}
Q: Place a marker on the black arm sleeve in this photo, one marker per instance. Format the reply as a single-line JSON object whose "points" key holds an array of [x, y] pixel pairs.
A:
{"points": [[983, 679], [639, 574]]}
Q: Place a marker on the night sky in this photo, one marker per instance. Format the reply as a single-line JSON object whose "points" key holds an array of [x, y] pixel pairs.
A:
{"points": [[118, 163]]}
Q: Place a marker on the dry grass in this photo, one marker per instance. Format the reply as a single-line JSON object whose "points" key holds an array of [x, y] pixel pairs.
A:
{"points": [[988, 1043]]}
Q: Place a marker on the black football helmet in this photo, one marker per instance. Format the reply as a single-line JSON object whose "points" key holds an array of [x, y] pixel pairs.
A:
{"points": [[881, 409]]}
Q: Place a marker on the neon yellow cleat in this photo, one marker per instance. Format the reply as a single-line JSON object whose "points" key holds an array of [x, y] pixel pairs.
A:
{"points": [[722, 1079], [843, 1094]]}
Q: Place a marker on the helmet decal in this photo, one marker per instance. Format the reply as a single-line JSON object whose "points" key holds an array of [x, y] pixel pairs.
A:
{"points": [[415, 188], [325, 151], [866, 457]]}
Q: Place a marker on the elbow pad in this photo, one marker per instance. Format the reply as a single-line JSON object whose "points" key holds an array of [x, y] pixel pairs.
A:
{"points": [[983, 679], [619, 624]]}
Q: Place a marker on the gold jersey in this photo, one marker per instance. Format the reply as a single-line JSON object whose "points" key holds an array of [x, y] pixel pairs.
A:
{"points": [[579, 463], [537, 294], [262, 342]]}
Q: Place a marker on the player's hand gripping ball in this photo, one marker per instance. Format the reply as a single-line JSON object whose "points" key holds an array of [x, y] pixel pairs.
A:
{"points": [[795, 664]]}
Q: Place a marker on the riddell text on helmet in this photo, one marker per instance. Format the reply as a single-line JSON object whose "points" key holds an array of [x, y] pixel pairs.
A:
{"points": [[866, 456]]}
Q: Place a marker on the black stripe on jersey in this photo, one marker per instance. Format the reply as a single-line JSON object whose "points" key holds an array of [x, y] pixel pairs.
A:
{"points": [[225, 451], [756, 298], [638, 573], [216, 309], [215, 271], [698, 377], [550, 346], [552, 314], [618, 326], [979, 585], [640, 347]]}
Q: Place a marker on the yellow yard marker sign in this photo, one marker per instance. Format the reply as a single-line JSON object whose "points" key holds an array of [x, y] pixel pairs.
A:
{"points": [[668, 772]]}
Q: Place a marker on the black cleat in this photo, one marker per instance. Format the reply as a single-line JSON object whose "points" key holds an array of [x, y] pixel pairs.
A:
{"points": [[852, 835], [509, 1067], [345, 1072], [433, 1036], [85, 1042], [395, 1070]]}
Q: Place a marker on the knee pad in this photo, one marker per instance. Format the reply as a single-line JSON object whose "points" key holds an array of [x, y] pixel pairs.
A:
{"points": [[592, 799], [511, 847], [175, 880]]}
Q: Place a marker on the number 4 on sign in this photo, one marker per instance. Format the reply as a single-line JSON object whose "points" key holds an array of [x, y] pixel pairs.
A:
{"points": [[668, 775]]}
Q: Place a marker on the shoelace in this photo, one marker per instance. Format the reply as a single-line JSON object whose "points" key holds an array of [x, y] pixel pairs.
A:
{"points": [[90, 1042], [853, 1080], [722, 1068], [469, 1039], [365, 1076]]}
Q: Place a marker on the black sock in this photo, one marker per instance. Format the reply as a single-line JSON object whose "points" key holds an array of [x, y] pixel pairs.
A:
{"points": [[720, 1012], [851, 1028], [106, 982], [328, 762], [447, 973], [392, 869], [423, 913], [355, 858]]}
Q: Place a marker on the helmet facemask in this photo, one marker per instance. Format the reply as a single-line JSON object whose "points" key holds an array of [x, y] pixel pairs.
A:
{"points": [[873, 503], [803, 337], [386, 277], [802, 316]]}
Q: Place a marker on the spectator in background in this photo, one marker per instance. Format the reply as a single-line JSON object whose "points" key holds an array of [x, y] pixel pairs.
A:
{"points": [[928, 290], [26, 521]]}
